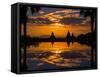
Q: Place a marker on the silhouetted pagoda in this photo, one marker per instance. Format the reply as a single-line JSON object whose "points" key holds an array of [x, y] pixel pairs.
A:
{"points": [[73, 38], [52, 37], [68, 36]]}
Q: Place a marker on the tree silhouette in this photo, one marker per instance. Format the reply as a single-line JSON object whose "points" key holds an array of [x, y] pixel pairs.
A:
{"points": [[89, 13], [92, 14], [23, 21]]}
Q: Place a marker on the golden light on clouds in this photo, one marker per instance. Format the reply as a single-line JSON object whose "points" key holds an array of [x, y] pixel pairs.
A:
{"points": [[72, 23]]}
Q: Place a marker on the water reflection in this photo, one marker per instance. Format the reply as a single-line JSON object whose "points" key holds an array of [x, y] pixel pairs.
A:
{"points": [[56, 56]]}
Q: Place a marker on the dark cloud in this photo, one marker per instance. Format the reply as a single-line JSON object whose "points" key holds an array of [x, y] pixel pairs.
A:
{"points": [[72, 21], [40, 21], [48, 10]]}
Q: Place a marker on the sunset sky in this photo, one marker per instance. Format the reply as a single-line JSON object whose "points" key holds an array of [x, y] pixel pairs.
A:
{"points": [[56, 20]]}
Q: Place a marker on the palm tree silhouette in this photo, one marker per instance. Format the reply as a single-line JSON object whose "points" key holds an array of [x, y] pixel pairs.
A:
{"points": [[23, 21], [89, 13], [92, 14]]}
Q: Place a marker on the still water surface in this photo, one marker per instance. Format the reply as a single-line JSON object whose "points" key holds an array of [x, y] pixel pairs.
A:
{"points": [[57, 55]]}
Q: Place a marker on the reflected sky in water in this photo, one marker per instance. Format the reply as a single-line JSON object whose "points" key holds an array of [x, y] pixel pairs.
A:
{"points": [[57, 56]]}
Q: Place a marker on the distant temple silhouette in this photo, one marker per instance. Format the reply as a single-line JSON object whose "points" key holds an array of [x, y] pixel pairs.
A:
{"points": [[69, 38], [52, 37]]}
